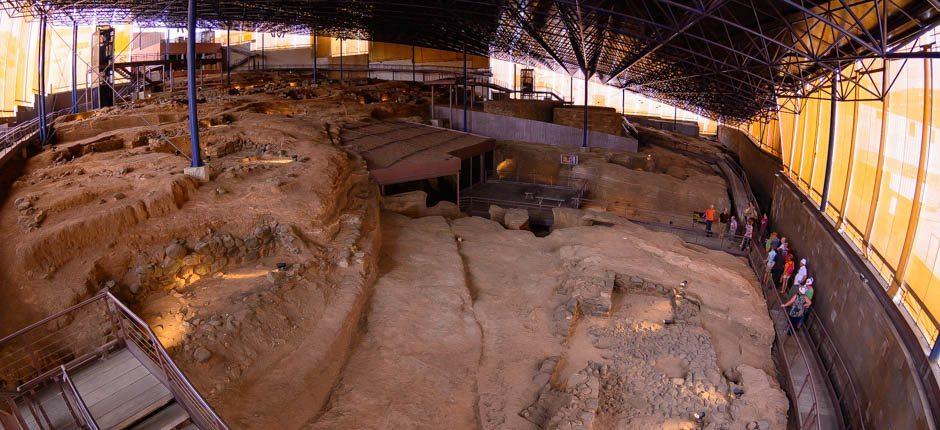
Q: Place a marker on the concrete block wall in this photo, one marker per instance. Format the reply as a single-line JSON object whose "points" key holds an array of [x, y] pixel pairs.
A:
{"points": [[537, 110], [688, 128], [602, 119]]}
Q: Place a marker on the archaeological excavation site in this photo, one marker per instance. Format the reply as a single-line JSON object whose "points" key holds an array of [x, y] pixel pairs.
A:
{"points": [[535, 214]]}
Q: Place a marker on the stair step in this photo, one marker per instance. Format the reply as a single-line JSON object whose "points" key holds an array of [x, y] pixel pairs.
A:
{"points": [[171, 417]]}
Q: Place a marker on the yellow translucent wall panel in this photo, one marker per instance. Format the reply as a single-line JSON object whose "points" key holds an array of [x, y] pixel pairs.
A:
{"points": [[864, 166], [818, 177], [922, 292], [349, 47], [842, 154], [18, 79], [796, 158], [808, 141], [599, 94], [904, 134]]}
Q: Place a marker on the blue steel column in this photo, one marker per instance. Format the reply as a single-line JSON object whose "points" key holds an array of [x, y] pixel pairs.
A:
{"points": [[465, 89], [584, 132], [314, 57], [196, 160], [75, 67], [41, 103], [228, 55]]}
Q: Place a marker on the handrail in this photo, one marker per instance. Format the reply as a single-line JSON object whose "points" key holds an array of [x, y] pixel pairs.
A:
{"points": [[201, 411], [27, 349], [756, 258], [76, 399]]}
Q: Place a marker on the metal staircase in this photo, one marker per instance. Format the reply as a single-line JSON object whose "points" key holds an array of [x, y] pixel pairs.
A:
{"points": [[95, 365]]}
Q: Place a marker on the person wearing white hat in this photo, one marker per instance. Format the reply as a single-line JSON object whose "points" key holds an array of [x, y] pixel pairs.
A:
{"points": [[801, 273]]}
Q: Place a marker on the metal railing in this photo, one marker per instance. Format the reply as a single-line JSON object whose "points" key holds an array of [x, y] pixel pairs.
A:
{"points": [[64, 341], [788, 350], [74, 401]]}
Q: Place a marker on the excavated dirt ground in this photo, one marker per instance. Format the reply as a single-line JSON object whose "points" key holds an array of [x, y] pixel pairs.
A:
{"points": [[292, 301]]}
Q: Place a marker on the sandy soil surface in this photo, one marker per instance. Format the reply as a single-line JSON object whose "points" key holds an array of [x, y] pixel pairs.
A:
{"points": [[588, 327], [654, 184]]}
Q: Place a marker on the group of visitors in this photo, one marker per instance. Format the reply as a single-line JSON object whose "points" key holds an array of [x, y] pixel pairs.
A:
{"points": [[728, 223], [798, 288], [793, 282]]}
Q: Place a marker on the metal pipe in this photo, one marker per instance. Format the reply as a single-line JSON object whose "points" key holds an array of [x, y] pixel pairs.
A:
{"points": [[584, 131], [264, 60], [341, 77], [465, 88], [196, 159], [432, 102], [169, 63], [74, 67], [832, 139], [414, 73], [41, 103]]}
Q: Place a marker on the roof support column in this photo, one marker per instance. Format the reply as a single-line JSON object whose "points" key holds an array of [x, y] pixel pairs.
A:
{"points": [[315, 54], [341, 77], [228, 55], [41, 102], [465, 88], [264, 60], [74, 67], [824, 199], [196, 158], [584, 131], [414, 73]]}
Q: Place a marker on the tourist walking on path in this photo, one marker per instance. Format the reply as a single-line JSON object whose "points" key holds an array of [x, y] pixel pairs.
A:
{"points": [[750, 213], [801, 273], [763, 225], [710, 216], [772, 242], [799, 303], [788, 269], [723, 219], [748, 234]]}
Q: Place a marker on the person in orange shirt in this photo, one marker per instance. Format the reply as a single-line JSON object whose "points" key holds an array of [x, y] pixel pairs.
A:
{"points": [[710, 216]]}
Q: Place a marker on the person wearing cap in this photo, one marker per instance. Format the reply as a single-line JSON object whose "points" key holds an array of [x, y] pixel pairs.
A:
{"points": [[801, 273], [809, 286], [798, 305]]}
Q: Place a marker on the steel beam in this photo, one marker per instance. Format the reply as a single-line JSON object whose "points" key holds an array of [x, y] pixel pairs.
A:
{"points": [[315, 55], [196, 158]]}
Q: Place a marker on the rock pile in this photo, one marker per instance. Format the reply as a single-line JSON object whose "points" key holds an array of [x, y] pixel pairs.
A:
{"points": [[28, 216], [180, 264], [572, 407]]}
